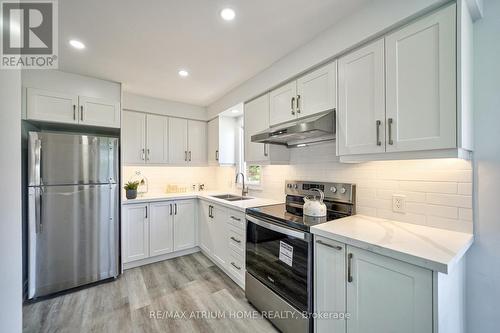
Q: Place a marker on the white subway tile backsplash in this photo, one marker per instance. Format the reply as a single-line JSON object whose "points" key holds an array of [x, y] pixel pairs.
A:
{"points": [[464, 201], [465, 188], [437, 187], [465, 214]]}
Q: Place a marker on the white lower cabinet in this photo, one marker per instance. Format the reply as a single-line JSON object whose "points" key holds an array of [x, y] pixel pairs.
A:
{"points": [[159, 228], [380, 294]]}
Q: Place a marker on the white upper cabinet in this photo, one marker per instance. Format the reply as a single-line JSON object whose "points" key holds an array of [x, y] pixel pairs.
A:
{"points": [[134, 138], [197, 142], [317, 91], [178, 141], [99, 112], [283, 104], [161, 238], [387, 295], [421, 84], [157, 139], [361, 111], [213, 141], [52, 106], [256, 119], [184, 224], [59, 107]]}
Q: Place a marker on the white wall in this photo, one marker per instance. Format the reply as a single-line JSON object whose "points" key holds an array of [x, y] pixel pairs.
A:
{"points": [[373, 19], [10, 202], [163, 107], [483, 260]]}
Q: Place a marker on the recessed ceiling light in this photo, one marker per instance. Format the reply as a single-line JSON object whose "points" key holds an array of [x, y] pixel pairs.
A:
{"points": [[235, 111], [227, 14], [183, 73], [77, 44]]}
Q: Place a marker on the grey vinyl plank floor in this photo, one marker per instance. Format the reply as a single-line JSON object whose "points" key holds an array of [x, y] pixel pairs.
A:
{"points": [[190, 286]]}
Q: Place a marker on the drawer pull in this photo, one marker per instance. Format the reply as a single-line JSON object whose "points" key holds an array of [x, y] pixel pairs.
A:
{"points": [[336, 247], [236, 218], [236, 266], [236, 240]]}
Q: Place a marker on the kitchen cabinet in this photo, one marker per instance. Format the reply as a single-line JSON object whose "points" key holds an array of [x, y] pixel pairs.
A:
{"points": [[387, 295], [197, 142], [421, 84], [222, 136], [218, 234], [60, 107], [184, 226], [311, 93], [361, 111], [317, 91], [379, 293], [187, 141], [156, 139], [135, 226], [256, 119], [329, 284], [158, 228], [205, 218]]}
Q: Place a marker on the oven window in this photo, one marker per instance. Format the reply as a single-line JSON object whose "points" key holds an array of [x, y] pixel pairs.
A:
{"points": [[280, 262]]}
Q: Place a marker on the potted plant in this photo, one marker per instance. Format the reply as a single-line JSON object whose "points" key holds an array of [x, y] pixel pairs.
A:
{"points": [[131, 189]]}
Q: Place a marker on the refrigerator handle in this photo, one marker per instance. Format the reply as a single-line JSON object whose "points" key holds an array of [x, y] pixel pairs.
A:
{"points": [[38, 209], [34, 159]]}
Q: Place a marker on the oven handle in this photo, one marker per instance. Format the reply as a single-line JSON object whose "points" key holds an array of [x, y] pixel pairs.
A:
{"points": [[271, 226]]}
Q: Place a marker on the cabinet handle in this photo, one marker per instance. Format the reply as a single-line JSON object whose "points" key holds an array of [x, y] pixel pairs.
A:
{"points": [[265, 150], [170, 209], [216, 155], [175, 209], [81, 112], [236, 240], [235, 266], [210, 212], [185, 155], [336, 247], [389, 122], [146, 211], [236, 218], [293, 106], [378, 123], [349, 267], [190, 156], [143, 154], [74, 112], [147, 154], [298, 103]]}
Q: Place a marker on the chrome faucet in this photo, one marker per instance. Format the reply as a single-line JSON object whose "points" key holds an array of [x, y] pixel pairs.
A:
{"points": [[244, 189]]}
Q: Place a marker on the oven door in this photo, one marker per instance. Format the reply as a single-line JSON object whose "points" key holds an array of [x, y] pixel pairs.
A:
{"points": [[281, 259]]}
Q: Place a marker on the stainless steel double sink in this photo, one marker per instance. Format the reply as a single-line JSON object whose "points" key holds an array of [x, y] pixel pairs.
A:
{"points": [[230, 197]]}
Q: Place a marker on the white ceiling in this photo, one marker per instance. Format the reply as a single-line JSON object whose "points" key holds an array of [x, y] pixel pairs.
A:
{"points": [[143, 44]]}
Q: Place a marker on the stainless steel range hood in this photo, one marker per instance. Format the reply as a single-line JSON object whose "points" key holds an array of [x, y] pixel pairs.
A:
{"points": [[297, 133]]}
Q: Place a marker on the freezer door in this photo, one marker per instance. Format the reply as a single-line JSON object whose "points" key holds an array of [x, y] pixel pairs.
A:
{"points": [[73, 236], [64, 159]]}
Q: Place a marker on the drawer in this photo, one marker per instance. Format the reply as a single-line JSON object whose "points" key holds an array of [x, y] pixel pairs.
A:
{"points": [[236, 241], [237, 219], [236, 264]]}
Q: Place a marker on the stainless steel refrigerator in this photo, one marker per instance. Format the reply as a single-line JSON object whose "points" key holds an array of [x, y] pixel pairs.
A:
{"points": [[73, 220]]}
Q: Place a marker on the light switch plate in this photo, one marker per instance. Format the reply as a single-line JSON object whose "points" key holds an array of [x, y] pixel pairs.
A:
{"points": [[399, 203]]}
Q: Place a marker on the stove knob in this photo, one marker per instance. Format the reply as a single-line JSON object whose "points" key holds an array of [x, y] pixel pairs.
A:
{"points": [[289, 185], [333, 189], [295, 186], [343, 190]]}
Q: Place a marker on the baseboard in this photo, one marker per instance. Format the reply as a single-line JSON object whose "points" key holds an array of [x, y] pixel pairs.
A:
{"points": [[146, 261]]}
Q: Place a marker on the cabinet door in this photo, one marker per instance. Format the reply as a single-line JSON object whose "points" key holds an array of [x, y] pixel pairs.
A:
{"points": [[161, 232], [99, 112], [204, 221], [282, 103], [157, 139], [329, 284], [218, 233], [197, 142], [361, 110], [135, 232], [256, 115], [134, 138], [421, 84], [213, 141], [317, 91], [184, 225], [387, 295], [177, 140], [51, 106]]}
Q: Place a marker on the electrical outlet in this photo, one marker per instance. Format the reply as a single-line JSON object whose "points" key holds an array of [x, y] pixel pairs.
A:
{"points": [[399, 203]]}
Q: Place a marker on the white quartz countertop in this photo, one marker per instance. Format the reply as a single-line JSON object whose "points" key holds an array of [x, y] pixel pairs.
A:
{"points": [[432, 248], [240, 205]]}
